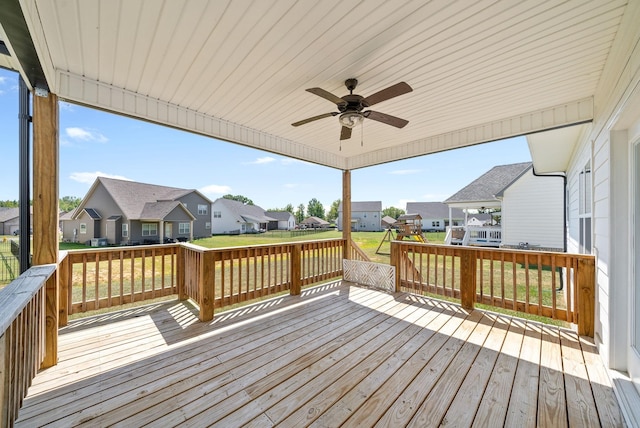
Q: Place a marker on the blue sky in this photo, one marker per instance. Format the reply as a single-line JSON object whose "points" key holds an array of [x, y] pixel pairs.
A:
{"points": [[95, 143]]}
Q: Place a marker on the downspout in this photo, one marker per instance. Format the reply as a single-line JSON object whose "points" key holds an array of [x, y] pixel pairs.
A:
{"points": [[24, 221], [564, 210]]}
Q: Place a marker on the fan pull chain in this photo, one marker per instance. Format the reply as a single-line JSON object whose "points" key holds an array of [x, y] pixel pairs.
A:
{"points": [[362, 135]]}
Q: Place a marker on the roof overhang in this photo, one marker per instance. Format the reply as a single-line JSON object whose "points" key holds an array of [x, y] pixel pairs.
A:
{"points": [[480, 71], [551, 151]]}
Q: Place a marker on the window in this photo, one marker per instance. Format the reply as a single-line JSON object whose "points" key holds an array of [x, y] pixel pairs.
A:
{"points": [[217, 214], [83, 228], [584, 208], [435, 223], [125, 230], [207, 225], [202, 209], [184, 228], [149, 229]]}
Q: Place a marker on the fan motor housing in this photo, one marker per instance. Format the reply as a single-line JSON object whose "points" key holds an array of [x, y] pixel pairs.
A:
{"points": [[353, 103]]}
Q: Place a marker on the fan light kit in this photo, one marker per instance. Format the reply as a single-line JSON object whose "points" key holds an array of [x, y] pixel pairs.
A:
{"points": [[351, 106], [351, 120]]}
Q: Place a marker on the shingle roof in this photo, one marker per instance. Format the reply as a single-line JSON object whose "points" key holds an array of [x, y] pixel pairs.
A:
{"points": [[315, 220], [92, 213], [279, 215], [132, 197], [433, 210], [488, 185], [7, 214], [362, 206], [159, 210], [249, 213]]}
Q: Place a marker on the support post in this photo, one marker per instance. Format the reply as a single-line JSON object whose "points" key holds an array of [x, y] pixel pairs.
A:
{"points": [[45, 210], [468, 265], [585, 296], [206, 282], [180, 273], [64, 282], [396, 254], [296, 270], [346, 214]]}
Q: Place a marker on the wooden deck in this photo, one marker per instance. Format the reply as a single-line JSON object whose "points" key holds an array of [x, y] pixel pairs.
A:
{"points": [[337, 355]]}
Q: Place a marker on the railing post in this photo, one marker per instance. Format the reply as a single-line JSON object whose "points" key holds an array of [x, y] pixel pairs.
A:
{"points": [[205, 284], [585, 296], [64, 272], [296, 270], [396, 254], [468, 266], [180, 273]]}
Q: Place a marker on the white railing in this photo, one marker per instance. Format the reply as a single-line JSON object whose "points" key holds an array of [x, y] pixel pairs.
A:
{"points": [[479, 236]]}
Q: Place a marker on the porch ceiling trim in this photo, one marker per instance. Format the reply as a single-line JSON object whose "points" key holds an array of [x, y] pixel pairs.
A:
{"points": [[577, 112], [85, 91], [78, 89]]}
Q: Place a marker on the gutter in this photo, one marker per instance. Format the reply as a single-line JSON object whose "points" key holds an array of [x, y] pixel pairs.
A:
{"points": [[564, 210]]}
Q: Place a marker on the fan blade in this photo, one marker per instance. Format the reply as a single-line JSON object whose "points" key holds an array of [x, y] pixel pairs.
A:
{"points": [[327, 96], [311, 119], [345, 133], [385, 94], [386, 118]]}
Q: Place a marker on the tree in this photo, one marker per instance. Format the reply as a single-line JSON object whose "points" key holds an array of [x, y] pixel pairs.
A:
{"points": [[239, 198], [392, 212], [69, 203], [289, 208], [332, 215], [9, 204], [299, 214], [315, 209]]}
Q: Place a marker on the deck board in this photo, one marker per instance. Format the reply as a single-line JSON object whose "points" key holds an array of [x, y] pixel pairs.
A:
{"points": [[338, 355]]}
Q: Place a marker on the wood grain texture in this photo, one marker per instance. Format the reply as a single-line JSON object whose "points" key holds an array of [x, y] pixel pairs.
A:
{"points": [[336, 355]]}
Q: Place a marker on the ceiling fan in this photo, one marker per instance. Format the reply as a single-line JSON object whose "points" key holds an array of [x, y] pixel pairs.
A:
{"points": [[351, 106]]}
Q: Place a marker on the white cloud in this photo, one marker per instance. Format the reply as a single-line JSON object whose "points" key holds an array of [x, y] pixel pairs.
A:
{"points": [[405, 171], [214, 190], [2, 79], [291, 185], [261, 161], [85, 135], [90, 177]]}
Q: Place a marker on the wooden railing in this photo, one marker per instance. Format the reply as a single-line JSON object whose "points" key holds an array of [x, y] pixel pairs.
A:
{"points": [[24, 343], [215, 278], [556, 285], [105, 277]]}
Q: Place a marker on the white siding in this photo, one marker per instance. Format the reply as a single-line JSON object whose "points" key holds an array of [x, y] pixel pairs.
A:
{"points": [[533, 212], [226, 223]]}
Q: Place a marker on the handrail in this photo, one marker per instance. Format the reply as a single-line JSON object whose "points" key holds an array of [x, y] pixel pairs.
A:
{"points": [[99, 278], [555, 285], [219, 277], [23, 342]]}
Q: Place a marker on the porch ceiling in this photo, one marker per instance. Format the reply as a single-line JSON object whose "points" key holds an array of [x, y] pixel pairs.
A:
{"points": [[238, 71]]}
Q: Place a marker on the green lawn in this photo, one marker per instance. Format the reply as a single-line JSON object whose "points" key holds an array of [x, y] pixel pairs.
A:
{"points": [[367, 241]]}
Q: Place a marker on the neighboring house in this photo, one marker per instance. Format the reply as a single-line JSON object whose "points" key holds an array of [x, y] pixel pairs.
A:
{"points": [[284, 220], [124, 212], [436, 215], [10, 220], [231, 217], [315, 223], [532, 207], [365, 216]]}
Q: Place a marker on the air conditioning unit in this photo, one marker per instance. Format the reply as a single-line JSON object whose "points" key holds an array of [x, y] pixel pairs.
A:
{"points": [[99, 242]]}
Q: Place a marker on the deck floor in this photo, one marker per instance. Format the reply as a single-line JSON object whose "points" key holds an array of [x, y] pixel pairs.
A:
{"points": [[339, 355]]}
